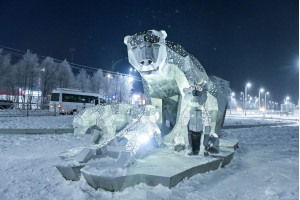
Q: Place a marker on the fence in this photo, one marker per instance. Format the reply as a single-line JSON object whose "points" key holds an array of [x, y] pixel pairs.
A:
{"points": [[12, 109]]}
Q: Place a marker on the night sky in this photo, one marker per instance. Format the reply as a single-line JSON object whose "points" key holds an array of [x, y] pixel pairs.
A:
{"points": [[240, 41]]}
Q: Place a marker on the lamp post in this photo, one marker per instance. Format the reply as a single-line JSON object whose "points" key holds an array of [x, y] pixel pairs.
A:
{"points": [[260, 91], [266, 100], [243, 99], [287, 103], [248, 85], [231, 96]]}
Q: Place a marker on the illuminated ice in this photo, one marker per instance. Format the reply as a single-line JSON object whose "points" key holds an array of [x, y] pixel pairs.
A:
{"points": [[192, 104], [184, 105], [134, 127]]}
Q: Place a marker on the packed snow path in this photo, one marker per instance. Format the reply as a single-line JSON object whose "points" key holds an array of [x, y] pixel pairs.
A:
{"points": [[264, 167]]}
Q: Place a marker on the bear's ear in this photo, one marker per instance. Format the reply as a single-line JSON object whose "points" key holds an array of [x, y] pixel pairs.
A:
{"points": [[164, 33], [126, 39]]}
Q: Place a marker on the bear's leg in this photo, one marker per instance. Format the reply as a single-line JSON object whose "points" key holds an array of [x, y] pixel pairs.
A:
{"points": [[96, 136]]}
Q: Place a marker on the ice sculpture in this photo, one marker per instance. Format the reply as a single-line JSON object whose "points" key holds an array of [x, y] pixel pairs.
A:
{"points": [[192, 104], [134, 127], [185, 106], [103, 121]]}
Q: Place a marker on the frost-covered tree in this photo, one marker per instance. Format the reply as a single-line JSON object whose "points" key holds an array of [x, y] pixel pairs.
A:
{"points": [[65, 76], [96, 81], [126, 87], [7, 82], [47, 78], [28, 68], [83, 80]]}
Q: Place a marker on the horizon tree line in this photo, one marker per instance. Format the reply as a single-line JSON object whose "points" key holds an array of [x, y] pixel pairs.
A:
{"points": [[29, 74]]}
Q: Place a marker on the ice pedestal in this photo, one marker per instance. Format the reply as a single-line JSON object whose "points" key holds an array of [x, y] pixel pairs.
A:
{"points": [[161, 166]]}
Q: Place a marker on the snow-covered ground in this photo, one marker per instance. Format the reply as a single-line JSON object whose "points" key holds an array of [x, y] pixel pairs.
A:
{"points": [[37, 122], [47, 122], [266, 166]]}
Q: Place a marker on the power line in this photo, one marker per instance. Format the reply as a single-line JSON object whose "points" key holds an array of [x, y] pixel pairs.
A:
{"points": [[74, 65]]}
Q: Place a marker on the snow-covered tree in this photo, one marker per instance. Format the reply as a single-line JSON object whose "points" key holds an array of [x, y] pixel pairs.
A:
{"points": [[47, 78], [97, 82], [65, 76], [83, 80], [6, 78], [28, 67], [126, 87]]}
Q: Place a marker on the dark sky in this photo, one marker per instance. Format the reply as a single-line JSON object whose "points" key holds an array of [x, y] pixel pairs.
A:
{"points": [[240, 41]]}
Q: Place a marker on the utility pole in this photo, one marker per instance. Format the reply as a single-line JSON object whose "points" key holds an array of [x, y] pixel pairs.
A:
{"points": [[72, 52]]}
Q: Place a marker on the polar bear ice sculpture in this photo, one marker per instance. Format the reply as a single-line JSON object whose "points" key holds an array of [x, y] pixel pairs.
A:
{"points": [[192, 105], [134, 126], [103, 121]]}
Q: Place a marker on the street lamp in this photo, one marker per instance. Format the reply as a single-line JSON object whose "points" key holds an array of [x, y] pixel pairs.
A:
{"points": [[243, 99], [287, 99], [266, 100], [130, 79], [232, 95], [260, 91], [130, 69], [248, 85]]}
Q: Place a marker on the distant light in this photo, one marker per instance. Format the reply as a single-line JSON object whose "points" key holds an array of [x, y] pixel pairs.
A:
{"points": [[267, 93], [232, 94], [130, 79], [108, 75], [239, 109], [261, 90], [288, 98], [136, 95], [142, 139], [130, 69], [248, 85]]}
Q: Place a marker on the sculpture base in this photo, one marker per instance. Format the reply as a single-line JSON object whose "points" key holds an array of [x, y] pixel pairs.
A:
{"points": [[161, 166]]}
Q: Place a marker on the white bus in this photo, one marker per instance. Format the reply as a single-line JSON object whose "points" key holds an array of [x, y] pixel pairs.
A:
{"points": [[69, 101]]}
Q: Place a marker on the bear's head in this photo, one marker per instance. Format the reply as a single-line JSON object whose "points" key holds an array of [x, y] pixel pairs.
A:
{"points": [[147, 50]]}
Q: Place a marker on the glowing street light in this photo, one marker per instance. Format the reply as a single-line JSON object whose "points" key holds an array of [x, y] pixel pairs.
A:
{"points": [[130, 69], [108, 76], [248, 85], [261, 90], [287, 100], [130, 79]]}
